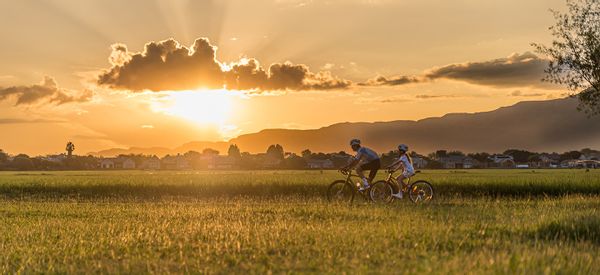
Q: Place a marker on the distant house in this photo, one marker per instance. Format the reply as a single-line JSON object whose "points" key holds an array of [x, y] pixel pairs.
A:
{"points": [[177, 162], [320, 164], [590, 156], [419, 162], [108, 163], [577, 163], [222, 163], [457, 162], [502, 161], [117, 163], [127, 163], [55, 158], [271, 162], [151, 163]]}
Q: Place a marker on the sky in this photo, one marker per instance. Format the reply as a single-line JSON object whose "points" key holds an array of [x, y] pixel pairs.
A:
{"points": [[144, 73]]}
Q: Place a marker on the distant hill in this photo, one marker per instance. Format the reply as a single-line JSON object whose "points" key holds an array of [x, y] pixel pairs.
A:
{"points": [[553, 125]]}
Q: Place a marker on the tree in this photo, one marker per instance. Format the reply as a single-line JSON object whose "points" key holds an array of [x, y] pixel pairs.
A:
{"points": [[481, 157], [276, 151], [519, 156], [294, 162], [570, 155], [307, 154], [22, 162], [439, 154], [70, 148], [234, 151], [3, 156], [456, 153], [575, 52], [210, 151]]}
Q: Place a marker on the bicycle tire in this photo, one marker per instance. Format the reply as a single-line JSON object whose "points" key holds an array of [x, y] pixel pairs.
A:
{"points": [[381, 192], [421, 192], [340, 191]]}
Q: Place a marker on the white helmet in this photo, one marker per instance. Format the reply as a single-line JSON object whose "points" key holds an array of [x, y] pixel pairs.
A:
{"points": [[403, 147], [355, 142]]}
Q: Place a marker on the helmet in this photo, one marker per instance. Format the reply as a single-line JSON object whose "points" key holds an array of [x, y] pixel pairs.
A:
{"points": [[355, 142], [403, 147]]}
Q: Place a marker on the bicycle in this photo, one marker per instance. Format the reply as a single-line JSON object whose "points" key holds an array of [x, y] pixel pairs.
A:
{"points": [[346, 190], [419, 192]]}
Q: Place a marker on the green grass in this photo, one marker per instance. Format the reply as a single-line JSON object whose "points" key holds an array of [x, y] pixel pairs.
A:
{"points": [[482, 221]]}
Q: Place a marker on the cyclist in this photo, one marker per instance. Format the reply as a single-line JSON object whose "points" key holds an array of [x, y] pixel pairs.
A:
{"points": [[405, 163], [365, 159]]}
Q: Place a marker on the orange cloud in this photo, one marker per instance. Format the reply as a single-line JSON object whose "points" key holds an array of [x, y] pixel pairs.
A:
{"points": [[169, 66]]}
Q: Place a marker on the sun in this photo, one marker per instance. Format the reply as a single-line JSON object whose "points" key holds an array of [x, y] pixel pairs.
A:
{"points": [[204, 107]]}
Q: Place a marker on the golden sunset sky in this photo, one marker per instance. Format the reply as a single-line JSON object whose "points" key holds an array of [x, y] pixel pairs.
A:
{"points": [[81, 71]]}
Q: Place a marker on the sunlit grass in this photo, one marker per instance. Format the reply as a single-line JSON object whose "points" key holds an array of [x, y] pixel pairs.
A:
{"points": [[224, 222]]}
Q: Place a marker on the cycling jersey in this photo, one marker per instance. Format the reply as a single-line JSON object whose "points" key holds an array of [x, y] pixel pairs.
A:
{"points": [[368, 154]]}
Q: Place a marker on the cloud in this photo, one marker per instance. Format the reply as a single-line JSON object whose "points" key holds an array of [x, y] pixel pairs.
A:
{"points": [[169, 66], [517, 70], [521, 94], [48, 91], [426, 96], [28, 121], [392, 81]]}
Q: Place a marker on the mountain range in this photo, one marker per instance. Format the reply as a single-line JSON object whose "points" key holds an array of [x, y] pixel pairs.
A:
{"points": [[549, 126]]}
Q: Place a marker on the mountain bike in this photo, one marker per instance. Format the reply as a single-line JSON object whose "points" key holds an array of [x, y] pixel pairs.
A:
{"points": [[346, 190], [419, 192]]}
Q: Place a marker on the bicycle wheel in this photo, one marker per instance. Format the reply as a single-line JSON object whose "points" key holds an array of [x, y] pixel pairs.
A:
{"points": [[340, 191], [420, 192], [381, 192]]}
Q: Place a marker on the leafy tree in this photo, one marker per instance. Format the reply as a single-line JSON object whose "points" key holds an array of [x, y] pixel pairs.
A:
{"points": [[195, 159], [520, 156], [234, 151], [294, 162], [439, 154], [575, 52], [3, 156], [535, 158], [456, 153], [70, 148], [481, 157], [210, 151], [276, 151], [570, 155], [22, 162], [307, 154]]}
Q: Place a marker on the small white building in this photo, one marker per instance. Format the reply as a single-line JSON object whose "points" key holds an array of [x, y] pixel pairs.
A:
{"points": [[108, 163]]}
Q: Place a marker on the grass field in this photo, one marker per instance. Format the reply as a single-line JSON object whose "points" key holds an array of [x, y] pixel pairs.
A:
{"points": [[482, 221]]}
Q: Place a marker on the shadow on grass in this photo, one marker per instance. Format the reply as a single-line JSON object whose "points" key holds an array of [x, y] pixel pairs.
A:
{"points": [[576, 229]]}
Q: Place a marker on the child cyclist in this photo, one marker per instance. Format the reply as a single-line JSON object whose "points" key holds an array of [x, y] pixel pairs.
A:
{"points": [[405, 163]]}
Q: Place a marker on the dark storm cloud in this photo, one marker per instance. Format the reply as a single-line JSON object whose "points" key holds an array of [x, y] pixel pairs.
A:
{"points": [[48, 91], [169, 66], [392, 81], [517, 70]]}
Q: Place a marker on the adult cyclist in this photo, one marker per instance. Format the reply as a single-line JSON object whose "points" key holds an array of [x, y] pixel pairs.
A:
{"points": [[365, 159]]}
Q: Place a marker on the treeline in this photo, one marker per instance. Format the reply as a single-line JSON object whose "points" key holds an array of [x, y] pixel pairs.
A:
{"points": [[274, 157]]}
